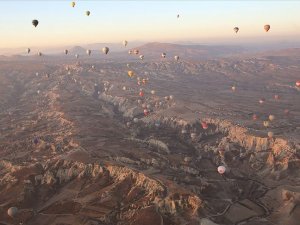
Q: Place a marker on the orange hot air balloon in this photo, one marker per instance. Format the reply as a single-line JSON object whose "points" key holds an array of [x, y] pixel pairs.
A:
{"points": [[130, 73], [276, 97], [144, 81]]}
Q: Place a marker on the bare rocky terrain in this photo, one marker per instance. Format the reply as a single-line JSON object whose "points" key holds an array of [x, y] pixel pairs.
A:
{"points": [[99, 160]]}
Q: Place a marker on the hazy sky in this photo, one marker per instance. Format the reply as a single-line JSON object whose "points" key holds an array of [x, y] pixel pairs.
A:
{"points": [[114, 21]]}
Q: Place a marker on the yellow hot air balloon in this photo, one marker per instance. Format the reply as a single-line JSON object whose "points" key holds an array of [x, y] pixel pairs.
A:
{"points": [[271, 117], [266, 123], [130, 73], [73, 4]]}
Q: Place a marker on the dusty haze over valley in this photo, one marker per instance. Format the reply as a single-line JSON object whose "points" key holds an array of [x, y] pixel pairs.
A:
{"points": [[191, 118], [99, 160]]}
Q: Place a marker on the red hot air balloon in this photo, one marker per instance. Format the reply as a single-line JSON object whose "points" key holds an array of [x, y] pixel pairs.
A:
{"points": [[141, 94], [146, 112], [298, 83], [204, 125]]}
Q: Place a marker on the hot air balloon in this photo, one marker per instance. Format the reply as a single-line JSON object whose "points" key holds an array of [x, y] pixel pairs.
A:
{"points": [[135, 120], [221, 170], [271, 117], [146, 112], [163, 55], [105, 50], [266, 123], [130, 52], [130, 73], [93, 66], [40, 54], [141, 94], [12, 211], [261, 101], [28, 50], [38, 91], [125, 43], [144, 81], [139, 101], [88, 52], [35, 23], [66, 51], [286, 111], [171, 97], [141, 57], [254, 117], [176, 57], [153, 92], [270, 134], [276, 97], [136, 51], [204, 125], [124, 88], [233, 88], [236, 29], [87, 13], [298, 83], [37, 74], [267, 27], [73, 4], [77, 56]]}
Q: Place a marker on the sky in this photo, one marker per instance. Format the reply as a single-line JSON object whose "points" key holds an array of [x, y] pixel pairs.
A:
{"points": [[115, 21]]}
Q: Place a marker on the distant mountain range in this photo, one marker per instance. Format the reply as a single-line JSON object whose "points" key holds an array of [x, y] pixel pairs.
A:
{"points": [[154, 50]]}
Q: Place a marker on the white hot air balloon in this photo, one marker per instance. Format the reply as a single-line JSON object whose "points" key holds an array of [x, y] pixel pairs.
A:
{"points": [[221, 170], [12, 211], [105, 50]]}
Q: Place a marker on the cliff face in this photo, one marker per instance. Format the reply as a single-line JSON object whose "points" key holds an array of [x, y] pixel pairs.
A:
{"points": [[52, 186], [266, 155]]}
